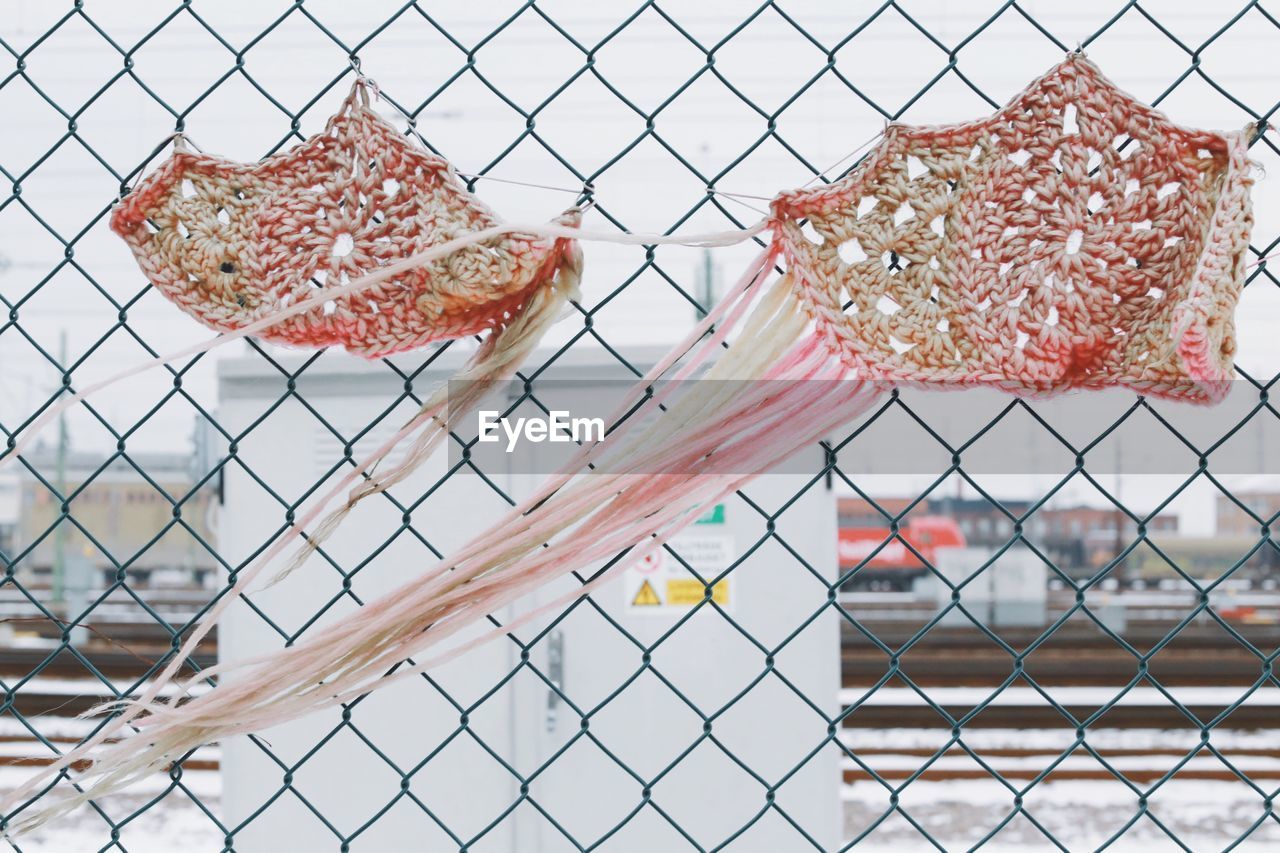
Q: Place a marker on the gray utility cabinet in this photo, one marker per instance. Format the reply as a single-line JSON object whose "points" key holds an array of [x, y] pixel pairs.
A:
{"points": [[514, 722]]}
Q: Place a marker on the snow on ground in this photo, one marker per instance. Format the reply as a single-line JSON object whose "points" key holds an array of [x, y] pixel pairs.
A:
{"points": [[201, 783], [1204, 815], [34, 749], [1081, 815], [1093, 696], [175, 825], [49, 725]]}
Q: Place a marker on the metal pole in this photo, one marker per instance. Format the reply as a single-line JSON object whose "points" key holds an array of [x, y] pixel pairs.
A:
{"points": [[1119, 513], [706, 286], [59, 532]]}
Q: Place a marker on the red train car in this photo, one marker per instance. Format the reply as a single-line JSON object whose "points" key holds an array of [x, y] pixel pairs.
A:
{"points": [[884, 561]]}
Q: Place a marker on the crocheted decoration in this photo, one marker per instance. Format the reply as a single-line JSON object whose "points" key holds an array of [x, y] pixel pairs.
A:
{"points": [[230, 242], [1076, 238]]}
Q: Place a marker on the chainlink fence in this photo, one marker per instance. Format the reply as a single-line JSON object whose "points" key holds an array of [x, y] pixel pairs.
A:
{"points": [[782, 90]]}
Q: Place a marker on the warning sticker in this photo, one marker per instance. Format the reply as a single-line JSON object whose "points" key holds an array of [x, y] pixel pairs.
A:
{"points": [[646, 596], [660, 584]]}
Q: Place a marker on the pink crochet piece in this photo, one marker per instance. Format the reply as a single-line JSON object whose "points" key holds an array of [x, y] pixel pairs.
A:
{"points": [[1074, 239], [231, 242]]}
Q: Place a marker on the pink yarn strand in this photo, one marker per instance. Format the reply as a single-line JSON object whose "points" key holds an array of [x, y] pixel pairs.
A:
{"points": [[657, 493]]}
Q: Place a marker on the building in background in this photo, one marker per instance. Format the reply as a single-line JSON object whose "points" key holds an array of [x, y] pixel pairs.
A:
{"points": [[1261, 496], [1087, 538], [142, 514], [10, 503], [984, 524]]}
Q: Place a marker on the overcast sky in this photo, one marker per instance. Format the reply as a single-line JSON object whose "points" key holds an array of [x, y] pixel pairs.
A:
{"points": [[647, 189]]}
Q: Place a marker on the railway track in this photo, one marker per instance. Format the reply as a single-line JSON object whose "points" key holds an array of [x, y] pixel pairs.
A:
{"points": [[48, 705], [1188, 761], [944, 656], [1022, 707], [957, 668], [1074, 654], [124, 640]]}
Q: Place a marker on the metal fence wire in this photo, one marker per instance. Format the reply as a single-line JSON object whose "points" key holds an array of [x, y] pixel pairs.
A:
{"points": [[941, 61]]}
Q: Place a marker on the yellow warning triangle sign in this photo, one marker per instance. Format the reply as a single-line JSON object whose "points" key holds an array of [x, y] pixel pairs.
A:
{"points": [[646, 596]]}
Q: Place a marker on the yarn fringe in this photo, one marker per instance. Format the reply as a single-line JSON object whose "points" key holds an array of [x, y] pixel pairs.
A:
{"points": [[653, 479], [497, 360]]}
